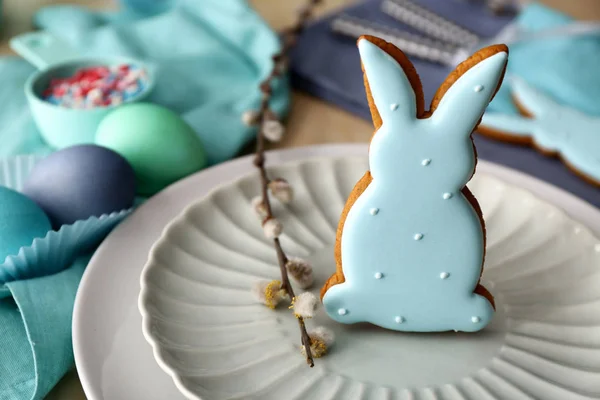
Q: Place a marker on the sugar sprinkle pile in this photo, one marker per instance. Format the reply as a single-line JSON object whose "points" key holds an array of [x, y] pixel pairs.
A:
{"points": [[97, 86]]}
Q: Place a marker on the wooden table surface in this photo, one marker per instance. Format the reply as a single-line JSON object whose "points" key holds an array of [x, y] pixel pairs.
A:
{"points": [[311, 121]]}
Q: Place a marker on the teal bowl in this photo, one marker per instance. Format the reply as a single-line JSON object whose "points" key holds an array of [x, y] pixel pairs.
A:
{"points": [[61, 126]]}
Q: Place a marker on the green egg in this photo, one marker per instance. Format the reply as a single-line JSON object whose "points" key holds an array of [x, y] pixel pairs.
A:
{"points": [[160, 146]]}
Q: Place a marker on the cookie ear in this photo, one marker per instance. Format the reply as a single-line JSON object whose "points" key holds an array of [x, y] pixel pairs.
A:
{"points": [[464, 96], [392, 84], [530, 100]]}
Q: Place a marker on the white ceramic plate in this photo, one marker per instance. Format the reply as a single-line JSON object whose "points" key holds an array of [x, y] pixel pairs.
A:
{"points": [[115, 362], [218, 343]]}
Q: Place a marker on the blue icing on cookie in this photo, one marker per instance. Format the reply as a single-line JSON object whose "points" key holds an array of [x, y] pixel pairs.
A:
{"points": [[553, 127], [414, 264], [549, 64]]}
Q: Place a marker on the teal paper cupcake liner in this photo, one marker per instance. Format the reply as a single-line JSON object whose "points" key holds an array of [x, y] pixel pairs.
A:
{"points": [[15, 170], [58, 249]]}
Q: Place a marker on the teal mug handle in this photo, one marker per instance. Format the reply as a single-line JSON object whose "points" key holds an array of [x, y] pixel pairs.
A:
{"points": [[42, 49]]}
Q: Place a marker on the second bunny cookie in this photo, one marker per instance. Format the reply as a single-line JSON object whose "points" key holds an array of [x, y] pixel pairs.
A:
{"points": [[411, 239], [552, 128]]}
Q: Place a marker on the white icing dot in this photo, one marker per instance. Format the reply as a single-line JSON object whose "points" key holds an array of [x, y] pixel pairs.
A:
{"points": [[342, 311], [478, 88], [374, 211], [447, 196], [551, 214], [426, 162], [378, 275], [399, 319], [394, 107], [418, 236], [577, 230], [444, 275], [597, 248], [475, 319]]}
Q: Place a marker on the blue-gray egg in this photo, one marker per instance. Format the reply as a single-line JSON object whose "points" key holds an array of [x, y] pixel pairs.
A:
{"points": [[21, 221], [79, 182]]}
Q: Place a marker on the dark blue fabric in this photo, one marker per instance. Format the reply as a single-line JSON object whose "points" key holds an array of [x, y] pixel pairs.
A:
{"points": [[327, 66]]}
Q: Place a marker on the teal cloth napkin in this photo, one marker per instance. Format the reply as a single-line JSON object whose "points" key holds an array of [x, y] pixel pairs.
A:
{"points": [[35, 332], [211, 55]]}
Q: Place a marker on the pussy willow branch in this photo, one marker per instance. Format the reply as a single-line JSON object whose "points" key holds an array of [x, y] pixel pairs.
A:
{"points": [[281, 58]]}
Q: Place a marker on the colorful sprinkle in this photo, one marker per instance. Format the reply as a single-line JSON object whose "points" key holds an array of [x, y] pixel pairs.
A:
{"points": [[98, 86]]}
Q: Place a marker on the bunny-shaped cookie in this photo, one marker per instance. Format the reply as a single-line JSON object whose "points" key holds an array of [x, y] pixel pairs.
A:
{"points": [[411, 240], [554, 129]]}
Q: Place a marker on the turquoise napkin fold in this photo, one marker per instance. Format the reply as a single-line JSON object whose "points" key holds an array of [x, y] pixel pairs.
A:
{"points": [[35, 331], [565, 67], [211, 55]]}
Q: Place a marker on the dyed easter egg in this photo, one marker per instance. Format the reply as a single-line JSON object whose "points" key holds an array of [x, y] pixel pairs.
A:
{"points": [[160, 146], [21, 221], [79, 182]]}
